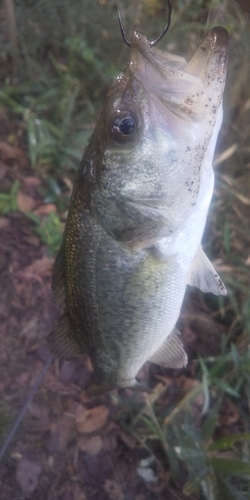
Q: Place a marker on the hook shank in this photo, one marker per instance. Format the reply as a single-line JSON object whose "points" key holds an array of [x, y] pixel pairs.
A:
{"points": [[151, 44]]}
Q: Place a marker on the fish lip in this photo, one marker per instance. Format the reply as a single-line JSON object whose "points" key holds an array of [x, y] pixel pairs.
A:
{"points": [[193, 91], [219, 36]]}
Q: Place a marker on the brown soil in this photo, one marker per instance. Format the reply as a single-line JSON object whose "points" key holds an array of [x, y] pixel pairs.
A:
{"points": [[69, 446]]}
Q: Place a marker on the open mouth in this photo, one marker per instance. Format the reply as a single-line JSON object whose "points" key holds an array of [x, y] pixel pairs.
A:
{"points": [[191, 91]]}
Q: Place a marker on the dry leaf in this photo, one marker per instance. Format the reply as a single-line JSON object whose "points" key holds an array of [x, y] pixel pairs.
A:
{"points": [[25, 203], [91, 445], [52, 383], [40, 268], [11, 153], [27, 475], [127, 439], [4, 222], [61, 433], [32, 181], [229, 413], [247, 261], [190, 383], [22, 379], [39, 411], [77, 492], [90, 420], [113, 490], [45, 209]]}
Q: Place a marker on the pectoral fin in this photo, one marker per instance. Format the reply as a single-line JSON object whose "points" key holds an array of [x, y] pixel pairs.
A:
{"points": [[61, 340], [171, 353], [204, 276]]}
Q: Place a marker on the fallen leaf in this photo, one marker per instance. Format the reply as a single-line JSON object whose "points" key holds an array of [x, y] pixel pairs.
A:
{"points": [[67, 371], [229, 413], [22, 379], [25, 203], [39, 411], [113, 490], [90, 420], [40, 268], [77, 492], [27, 475], [11, 153], [187, 384], [110, 440], [91, 445], [32, 240], [75, 372], [247, 261], [127, 439], [61, 433], [4, 222], [45, 209], [32, 181], [52, 383]]}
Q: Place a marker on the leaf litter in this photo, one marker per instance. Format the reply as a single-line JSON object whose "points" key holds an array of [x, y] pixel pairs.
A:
{"points": [[70, 445]]}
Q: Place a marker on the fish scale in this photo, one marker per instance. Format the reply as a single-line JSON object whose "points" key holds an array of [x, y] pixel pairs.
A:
{"points": [[132, 239]]}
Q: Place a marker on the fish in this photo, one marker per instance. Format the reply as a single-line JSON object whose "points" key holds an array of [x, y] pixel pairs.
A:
{"points": [[132, 240]]}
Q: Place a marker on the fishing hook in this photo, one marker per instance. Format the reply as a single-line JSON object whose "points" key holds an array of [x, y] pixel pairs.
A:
{"points": [[151, 44]]}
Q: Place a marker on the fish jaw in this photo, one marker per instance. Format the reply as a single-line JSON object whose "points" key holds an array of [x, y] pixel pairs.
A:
{"points": [[138, 209], [178, 105], [191, 92]]}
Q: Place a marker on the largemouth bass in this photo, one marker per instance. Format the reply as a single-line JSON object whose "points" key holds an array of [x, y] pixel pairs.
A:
{"points": [[132, 240]]}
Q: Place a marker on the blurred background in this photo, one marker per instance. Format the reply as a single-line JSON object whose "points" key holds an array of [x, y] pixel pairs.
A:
{"points": [[190, 438]]}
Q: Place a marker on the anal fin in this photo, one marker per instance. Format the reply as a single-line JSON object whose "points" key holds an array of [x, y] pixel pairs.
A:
{"points": [[61, 340], [204, 276], [171, 353]]}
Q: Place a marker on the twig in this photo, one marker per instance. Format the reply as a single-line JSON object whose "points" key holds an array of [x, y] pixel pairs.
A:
{"points": [[12, 31]]}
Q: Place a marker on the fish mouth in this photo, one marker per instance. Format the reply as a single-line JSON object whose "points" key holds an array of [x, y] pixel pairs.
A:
{"points": [[190, 91]]}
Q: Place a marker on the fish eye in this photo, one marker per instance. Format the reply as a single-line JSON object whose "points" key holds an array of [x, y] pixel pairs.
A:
{"points": [[124, 126]]}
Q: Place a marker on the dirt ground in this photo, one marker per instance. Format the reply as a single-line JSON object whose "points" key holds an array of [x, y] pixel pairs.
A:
{"points": [[70, 446]]}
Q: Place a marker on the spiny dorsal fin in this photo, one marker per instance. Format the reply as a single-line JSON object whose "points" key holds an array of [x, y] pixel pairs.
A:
{"points": [[204, 276], [171, 353], [61, 340]]}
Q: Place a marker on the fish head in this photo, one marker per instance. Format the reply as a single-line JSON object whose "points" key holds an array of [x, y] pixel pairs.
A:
{"points": [[158, 129]]}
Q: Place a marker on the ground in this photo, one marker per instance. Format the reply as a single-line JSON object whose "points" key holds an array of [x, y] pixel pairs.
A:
{"points": [[70, 446]]}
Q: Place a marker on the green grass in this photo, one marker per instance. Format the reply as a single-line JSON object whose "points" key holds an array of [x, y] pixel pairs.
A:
{"points": [[68, 54], [8, 201], [218, 468], [49, 231]]}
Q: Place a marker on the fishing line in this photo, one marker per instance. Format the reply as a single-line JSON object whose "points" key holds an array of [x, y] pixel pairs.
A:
{"points": [[24, 408]]}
